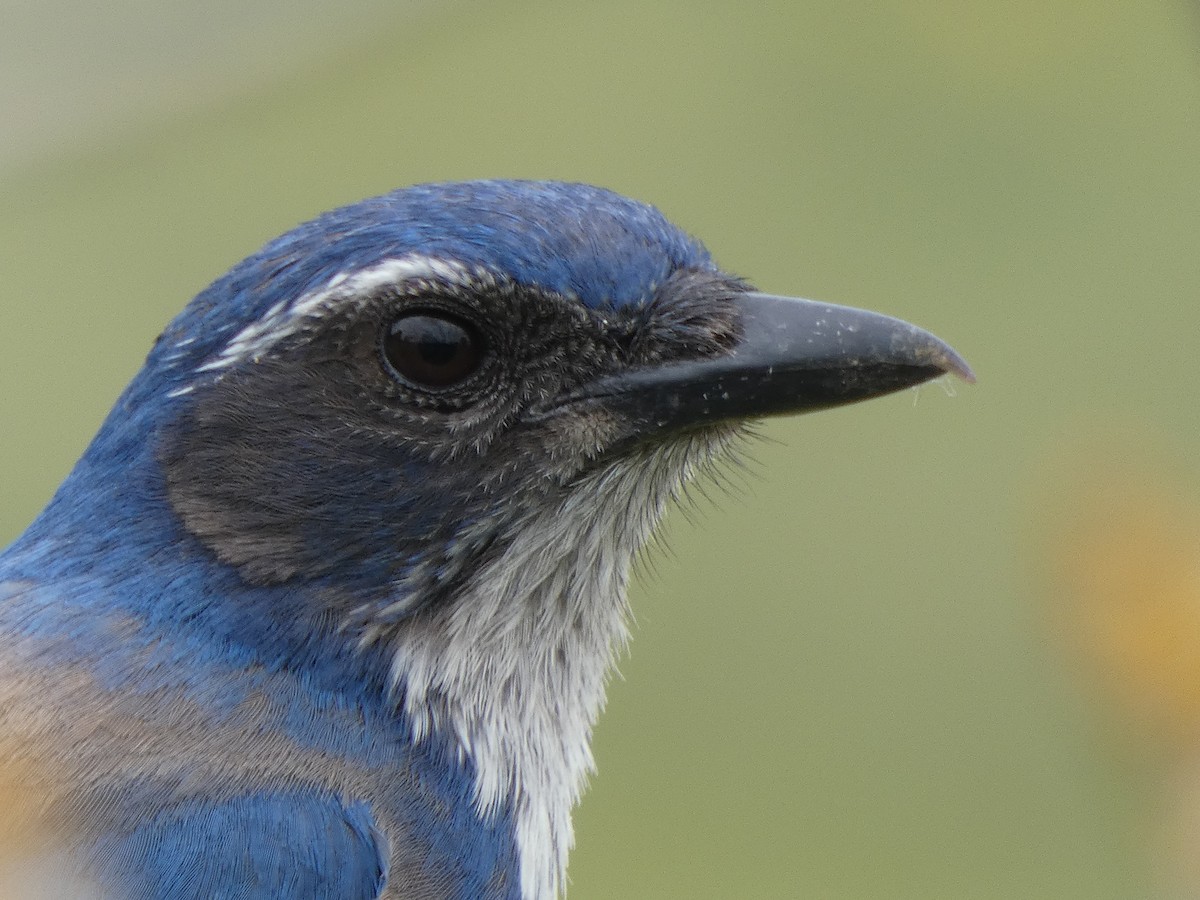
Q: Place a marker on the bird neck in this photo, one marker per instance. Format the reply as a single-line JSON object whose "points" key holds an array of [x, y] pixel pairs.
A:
{"points": [[514, 671], [505, 665]]}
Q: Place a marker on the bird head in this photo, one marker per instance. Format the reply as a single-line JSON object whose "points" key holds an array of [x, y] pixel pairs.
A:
{"points": [[383, 402], [376, 398], [430, 431]]}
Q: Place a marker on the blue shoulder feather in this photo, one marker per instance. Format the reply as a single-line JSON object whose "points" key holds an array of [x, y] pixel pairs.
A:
{"points": [[280, 846]]}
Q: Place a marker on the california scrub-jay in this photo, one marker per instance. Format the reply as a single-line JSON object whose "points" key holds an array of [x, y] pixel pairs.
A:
{"points": [[327, 608]]}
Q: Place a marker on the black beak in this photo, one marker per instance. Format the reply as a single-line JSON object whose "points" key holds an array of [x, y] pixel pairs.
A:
{"points": [[794, 356]]}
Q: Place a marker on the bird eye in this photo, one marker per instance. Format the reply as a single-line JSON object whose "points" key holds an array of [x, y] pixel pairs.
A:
{"points": [[431, 349]]}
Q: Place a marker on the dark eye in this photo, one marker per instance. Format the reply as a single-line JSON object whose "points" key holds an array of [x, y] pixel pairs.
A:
{"points": [[431, 349]]}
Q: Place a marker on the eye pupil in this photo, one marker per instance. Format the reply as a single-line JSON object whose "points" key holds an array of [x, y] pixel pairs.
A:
{"points": [[431, 349]]}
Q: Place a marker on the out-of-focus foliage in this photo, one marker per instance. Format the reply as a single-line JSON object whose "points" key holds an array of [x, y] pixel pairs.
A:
{"points": [[1117, 540]]}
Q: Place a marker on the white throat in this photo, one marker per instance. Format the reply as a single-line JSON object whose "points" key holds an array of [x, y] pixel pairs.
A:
{"points": [[514, 670]]}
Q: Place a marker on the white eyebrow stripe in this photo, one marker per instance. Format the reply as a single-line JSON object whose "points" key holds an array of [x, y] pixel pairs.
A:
{"points": [[285, 318]]}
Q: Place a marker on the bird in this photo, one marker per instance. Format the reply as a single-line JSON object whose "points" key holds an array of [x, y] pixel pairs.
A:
{"points": [[327, 607]]}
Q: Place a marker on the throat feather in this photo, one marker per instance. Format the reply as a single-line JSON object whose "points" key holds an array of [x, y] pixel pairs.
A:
{"points": [[513, 669]]}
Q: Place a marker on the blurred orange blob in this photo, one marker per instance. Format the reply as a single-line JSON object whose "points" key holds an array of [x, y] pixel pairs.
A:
{"points": [[1123, 554], [1120, 545]]}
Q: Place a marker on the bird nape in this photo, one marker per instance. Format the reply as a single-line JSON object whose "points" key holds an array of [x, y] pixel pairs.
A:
{"points": [[327, 608]]}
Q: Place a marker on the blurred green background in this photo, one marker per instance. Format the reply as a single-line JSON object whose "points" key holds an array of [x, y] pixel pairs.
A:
{"points": [[846, 680]]}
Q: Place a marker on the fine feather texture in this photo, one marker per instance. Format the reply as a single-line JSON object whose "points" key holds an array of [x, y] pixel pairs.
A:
{"points": [[327, 608], [308, 634]]}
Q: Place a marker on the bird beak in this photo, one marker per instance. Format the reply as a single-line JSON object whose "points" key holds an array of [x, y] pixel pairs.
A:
{"points": [[793, 356]]}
